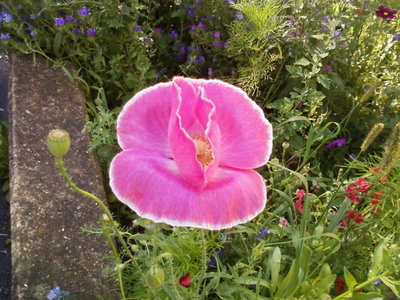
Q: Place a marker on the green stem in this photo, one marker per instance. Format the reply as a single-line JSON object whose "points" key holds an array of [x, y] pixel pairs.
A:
{"points": [[67, 178], [204, 263], [117, 262], [174, 288], [360, 286]]}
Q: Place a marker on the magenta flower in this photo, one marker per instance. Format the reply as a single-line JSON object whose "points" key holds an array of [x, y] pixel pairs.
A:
{"points": [[189, 147], [385, 13]]}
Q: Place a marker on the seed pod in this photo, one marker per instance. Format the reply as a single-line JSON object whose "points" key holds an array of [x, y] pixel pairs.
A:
{"points": [[58, 142], [390, 149], [155, 277], [374, 132]]}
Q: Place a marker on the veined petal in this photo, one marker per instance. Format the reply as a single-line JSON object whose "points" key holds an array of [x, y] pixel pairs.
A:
{"points": [[189, 131], [143, 122], [246, 136], [151, 185]]}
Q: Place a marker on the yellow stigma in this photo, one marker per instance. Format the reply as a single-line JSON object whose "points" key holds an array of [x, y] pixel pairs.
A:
{"points": [[385, 13], [203, 150]]}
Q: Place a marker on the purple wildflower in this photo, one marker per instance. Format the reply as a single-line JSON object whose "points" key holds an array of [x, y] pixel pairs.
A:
{"points": [[239, 16], [59, 21], [199, 60], [84, 11], [77, 31], [217, 34], [396, 36], [57, 294], [328, 68], [158, 30], [201, 26], [217, 44], [147, 40], [336, 33], [137, 28], [336, 143], [91, 31], [32, 16], [77, 22], [69, 19], [210, 72], [385, 13], [263, 232], [4, 36], [33, 33], [5, 17], [213, 260], [326, 18], [173, 34]]}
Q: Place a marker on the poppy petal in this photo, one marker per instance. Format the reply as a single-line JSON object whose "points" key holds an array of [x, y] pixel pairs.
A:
{"points": [[151, 185], [143, 122], [246, 136]]}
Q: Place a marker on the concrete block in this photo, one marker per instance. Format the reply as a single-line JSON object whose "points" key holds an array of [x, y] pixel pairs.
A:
{"points": [[49, 247]]}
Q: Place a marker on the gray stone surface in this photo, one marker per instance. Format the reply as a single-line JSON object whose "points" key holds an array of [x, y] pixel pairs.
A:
{"points": [[49, 247]]}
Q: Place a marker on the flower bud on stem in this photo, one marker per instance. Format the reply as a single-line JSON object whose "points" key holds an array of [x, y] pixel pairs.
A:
{"points": [[58, 142]]}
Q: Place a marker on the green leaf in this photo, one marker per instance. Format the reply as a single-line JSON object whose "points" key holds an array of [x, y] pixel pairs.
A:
{"points": [[302, 62], [296, 118], [319, 36], [142, 63], [324, 81], [295, 71], [350, 280], [57, 43], [366, 296], [392, 284], [275, 263]]}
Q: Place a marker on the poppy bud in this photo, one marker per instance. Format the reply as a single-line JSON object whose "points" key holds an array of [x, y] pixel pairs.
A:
{"points": [[155, 277], [185, 280], [58, 142]]}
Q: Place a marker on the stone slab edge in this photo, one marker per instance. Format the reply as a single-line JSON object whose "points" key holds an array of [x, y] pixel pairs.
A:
{"points": [[49, 247]]}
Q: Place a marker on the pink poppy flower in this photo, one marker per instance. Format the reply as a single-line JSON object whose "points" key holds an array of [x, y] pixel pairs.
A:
{"points": [[189, 150]]}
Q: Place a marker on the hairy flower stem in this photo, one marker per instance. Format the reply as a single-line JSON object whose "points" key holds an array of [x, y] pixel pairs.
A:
{"points": [[67, 178], [360, 286], [117, 263], [204, 264]]}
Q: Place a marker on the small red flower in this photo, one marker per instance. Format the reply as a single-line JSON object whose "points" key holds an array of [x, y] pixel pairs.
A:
{"points": [[300, 196], [356, 216], [185, 280], [340, 285], [362, 184], [360, 11], [383, 179], [378, 195], [359, 219], [374, 202], [343, 223], [375, 170], [351, 193]]}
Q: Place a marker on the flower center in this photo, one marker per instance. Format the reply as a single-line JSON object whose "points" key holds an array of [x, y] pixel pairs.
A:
{"points": [[203, 150], [385, 13]]}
